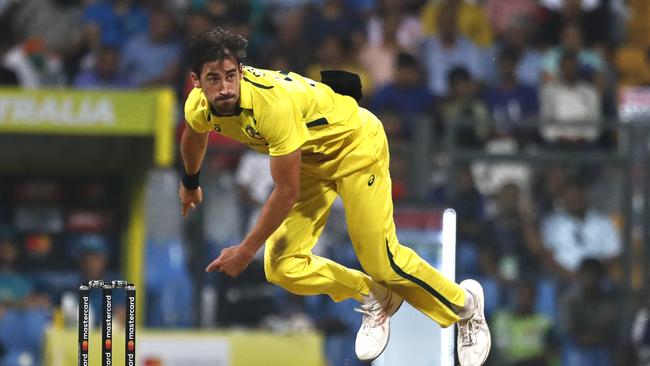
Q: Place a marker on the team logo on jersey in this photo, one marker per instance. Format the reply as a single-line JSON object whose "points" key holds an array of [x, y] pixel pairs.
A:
{"points": [[252, 132]]}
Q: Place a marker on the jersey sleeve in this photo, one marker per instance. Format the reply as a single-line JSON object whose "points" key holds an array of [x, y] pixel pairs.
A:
{"points": [[195, 116], [282, 125]]}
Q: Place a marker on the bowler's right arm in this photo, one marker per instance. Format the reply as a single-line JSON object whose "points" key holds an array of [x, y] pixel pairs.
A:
{"points": [[193, 147]]}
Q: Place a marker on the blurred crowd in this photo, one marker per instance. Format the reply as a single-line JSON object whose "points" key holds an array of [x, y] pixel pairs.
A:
{"points": [[501, 76]]}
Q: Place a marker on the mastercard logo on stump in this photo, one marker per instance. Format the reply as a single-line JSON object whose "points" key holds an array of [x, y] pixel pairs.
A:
{"points": [[131, 346], [153, 362], [108, 344], [84, 345]]}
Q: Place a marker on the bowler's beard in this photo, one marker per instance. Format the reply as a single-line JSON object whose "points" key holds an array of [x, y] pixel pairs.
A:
{"points": [[226, 107]]}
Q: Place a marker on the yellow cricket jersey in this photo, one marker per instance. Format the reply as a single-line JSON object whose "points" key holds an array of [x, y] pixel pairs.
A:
{"points": [[282, 112]]}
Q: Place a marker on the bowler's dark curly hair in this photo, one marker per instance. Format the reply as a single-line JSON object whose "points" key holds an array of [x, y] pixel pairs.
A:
{"points": [[215, 45]]}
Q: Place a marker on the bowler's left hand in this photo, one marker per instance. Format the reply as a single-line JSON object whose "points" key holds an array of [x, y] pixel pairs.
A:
{"points": [[232, 261]]}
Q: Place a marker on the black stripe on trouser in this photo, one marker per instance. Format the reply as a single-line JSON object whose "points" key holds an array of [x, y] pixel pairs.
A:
{"points": [[317, 122], [417, 281]]}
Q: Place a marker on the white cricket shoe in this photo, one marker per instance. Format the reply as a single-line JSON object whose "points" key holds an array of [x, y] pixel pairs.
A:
{"points": [[373, 335], [473, 333]]}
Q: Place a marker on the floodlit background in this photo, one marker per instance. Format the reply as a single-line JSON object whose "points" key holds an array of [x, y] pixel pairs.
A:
{"points": [[529, 117]]}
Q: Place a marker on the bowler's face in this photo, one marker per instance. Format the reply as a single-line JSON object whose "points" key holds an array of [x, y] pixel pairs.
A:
{"points": [[220, 81]]}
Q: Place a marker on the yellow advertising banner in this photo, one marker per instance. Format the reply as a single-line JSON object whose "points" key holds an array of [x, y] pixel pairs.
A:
{"points": [[92, 112]]}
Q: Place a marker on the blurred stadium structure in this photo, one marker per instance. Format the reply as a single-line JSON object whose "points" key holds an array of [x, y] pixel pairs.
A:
{"points": [[531, 118]]}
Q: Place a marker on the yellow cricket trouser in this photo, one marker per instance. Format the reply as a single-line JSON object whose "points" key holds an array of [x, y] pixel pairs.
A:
{"points": [[366, 195]]}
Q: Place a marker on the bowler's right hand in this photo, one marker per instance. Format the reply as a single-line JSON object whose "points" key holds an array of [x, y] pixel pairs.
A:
{"points": [[190, 198]]}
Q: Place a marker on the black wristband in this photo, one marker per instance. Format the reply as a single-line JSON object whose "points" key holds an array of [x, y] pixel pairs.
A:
{"points": [[191, 181]]}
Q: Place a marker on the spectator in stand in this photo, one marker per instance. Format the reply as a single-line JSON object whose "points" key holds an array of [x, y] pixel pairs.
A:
{"points": [[590, 65], [14, 287], [379, 58], [113, 22], [333, 18], [510, 101], [593, 19], [288, 39], [509, 242], [529, 57], [472, 19], [547, 188], [24, 312], [336, 53], [524, 334], [591, 315], [106, 73], [409, 29], [570, 106], [407, 96], [463, 106], [153, 58], [449, 49], [62, 38], [94, 257], [469, 204], [13, 57], [502, 13], [575, 232], [33, 66]]}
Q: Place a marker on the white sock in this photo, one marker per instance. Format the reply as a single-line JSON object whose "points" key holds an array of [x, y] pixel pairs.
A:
{"points": [[378, 291]]}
